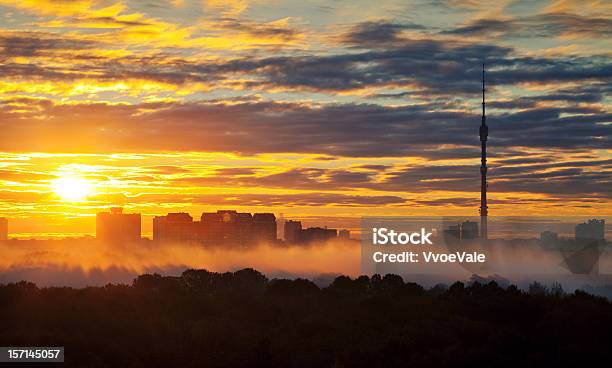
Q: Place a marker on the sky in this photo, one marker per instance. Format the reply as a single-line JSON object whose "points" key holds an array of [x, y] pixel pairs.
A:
{"points": [[313, 109]]}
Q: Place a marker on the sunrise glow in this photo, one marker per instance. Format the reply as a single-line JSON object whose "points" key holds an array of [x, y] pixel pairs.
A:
{"points": [[325, 111], [72, 188]]}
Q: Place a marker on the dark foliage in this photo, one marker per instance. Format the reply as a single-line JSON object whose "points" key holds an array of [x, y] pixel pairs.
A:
{"points": [[240, 319]]}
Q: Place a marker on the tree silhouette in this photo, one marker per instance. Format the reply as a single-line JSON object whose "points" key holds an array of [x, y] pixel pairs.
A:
{"points": [[242, 319]]}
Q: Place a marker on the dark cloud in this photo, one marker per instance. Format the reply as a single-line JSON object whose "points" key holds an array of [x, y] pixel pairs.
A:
{"points": [[297, 178], [483, 27], [555, 24], [377, 34], [111, 22], [475, 201], [556, 178], [541, 25], [523, 160], [453, 201], [28, 44], [373, 167], [579, 95], [331, 130], [438, 67], [552, 176], [452, 67]]}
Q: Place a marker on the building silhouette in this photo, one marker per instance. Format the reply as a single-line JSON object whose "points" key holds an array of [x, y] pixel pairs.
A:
{"points": [[292, 231], [3, 228], [317, 234], [229, 227], [117, 227], [216, 228], [295, 234], [591, 230], [264, 226], [177, 227], [280, 226], [469, 230], [464, 231]]}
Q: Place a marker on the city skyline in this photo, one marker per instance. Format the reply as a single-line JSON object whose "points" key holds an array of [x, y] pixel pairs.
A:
{"points": [[116, 227], [313, 110]]}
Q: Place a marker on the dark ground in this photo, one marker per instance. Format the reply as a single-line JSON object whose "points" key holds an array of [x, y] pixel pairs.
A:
{"points": [[241, 319]]}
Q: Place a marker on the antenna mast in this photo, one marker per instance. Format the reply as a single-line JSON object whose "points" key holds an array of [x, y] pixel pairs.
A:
{"points": [[484, 133]]}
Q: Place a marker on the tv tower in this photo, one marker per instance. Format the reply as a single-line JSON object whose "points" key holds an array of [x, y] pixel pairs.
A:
{"points": [[484, 132]]}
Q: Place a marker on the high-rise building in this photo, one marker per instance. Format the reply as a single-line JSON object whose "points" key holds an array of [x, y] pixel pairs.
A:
{"points": [[314, 234], [3, 228], [591, 230], [175, 227], [214, 226], [226, 227], [118, 227], [294, 234], [229, 227], [280, 227], [469, 230], [264, 227], [464, 231], [292, 231]]}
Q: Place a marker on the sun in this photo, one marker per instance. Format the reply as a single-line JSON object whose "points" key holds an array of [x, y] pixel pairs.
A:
{"points": [[72, 188]]}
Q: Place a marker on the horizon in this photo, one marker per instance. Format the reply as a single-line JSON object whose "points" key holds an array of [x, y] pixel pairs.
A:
{"points": [[501, 226]]}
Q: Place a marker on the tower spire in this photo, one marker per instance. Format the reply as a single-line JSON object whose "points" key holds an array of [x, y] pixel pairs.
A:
{"points": [[484, 133]]}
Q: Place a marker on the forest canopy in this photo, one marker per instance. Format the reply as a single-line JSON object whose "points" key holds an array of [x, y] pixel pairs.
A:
{"points": [[241, 318]]}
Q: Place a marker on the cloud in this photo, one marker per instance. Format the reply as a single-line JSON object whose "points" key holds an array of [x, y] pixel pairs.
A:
{"points": [[437, 67], [353, 130], [553, 178], [425, 67], [583, 7], [533, 101], [312, 199], [378, 34], [482, 27], [278, 29], [193, 181], [28, 44], [228, 7], [545, 25], [295, 178], [53, 7]]}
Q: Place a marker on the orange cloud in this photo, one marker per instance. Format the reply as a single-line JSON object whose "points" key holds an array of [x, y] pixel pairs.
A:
{"points": [[582, 7], [65, 8]]}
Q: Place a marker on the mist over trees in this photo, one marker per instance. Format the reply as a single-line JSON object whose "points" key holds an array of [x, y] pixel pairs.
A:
{"points": [[242, 319]]}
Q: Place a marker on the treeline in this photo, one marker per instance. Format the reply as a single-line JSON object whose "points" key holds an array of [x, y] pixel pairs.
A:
{"points": [[242, 319]]}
